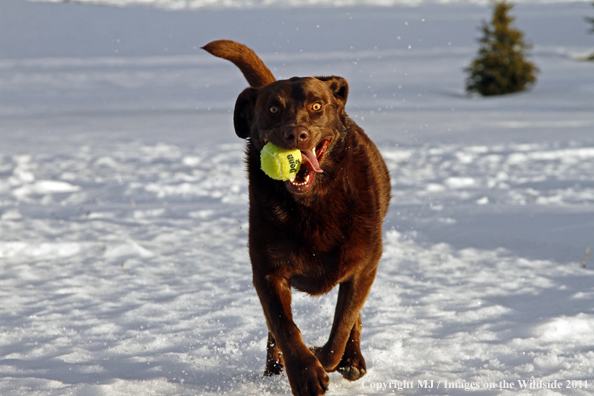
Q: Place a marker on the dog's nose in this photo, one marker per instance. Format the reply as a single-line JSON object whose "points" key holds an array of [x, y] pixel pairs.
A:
{"points": [[296, 136]]}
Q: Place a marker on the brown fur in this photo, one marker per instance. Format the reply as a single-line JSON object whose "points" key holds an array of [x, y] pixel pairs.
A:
{"points": [[323, 230]]}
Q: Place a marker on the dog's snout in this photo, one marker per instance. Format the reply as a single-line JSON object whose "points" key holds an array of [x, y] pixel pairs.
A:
{"points": [[297, 136]]}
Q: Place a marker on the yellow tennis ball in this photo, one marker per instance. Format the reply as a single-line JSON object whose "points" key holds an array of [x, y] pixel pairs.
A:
{"points": [[280, 164]]}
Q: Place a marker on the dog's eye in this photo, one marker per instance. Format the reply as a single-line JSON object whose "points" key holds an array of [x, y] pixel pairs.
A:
{"points": [[316, 107], [273, 109]]}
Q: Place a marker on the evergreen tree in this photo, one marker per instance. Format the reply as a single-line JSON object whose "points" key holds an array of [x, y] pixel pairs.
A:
{"points": [[591, 20], [500, 67]]}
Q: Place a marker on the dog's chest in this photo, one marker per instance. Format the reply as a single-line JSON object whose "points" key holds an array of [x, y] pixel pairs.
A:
{"points": [[318, 253]]}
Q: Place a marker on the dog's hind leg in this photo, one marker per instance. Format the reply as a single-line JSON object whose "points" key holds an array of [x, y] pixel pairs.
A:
{"points": [[274, 357]]}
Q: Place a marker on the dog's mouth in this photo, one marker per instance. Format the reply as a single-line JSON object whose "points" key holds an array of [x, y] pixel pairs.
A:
{"points": [[310, 165]]}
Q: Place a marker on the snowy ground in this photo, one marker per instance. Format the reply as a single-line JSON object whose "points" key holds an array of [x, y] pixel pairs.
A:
{"points": [[123, 201]]}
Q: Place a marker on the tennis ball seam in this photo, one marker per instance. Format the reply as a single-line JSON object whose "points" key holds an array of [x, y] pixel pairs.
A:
{"points": [[280, 165], [285, 165]]}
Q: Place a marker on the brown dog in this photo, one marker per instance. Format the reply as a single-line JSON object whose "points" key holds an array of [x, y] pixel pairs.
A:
{"points": [[321, 230]]}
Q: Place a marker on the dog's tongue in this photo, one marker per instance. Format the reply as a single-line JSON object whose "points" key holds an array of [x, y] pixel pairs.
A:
{"points": [[309, 159]]}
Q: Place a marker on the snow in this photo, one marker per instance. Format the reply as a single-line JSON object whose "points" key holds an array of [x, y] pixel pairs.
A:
{"points": [[123, 201], [195, 4]]}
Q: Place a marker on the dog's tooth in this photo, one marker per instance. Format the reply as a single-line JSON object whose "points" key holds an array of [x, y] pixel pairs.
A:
{"points": [[302, 183]]}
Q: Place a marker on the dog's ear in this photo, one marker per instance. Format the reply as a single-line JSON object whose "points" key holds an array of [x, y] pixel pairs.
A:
{"points": [[338, 86], [243, 115]]}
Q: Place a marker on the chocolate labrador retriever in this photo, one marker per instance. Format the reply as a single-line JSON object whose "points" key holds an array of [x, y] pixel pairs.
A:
{"points": [[320, 230]]}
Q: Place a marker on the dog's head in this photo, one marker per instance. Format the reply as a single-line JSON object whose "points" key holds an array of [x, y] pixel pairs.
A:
{"points": [[304, 113]]}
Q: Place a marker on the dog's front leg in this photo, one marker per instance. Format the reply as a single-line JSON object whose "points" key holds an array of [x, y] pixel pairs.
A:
{"points": [[342, 352], [352, 365], [306, 374]]}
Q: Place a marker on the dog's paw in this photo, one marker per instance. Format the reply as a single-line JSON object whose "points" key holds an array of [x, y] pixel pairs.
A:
{"points": [[273, 367], [352, 369], [328, 360], [307, 377]]}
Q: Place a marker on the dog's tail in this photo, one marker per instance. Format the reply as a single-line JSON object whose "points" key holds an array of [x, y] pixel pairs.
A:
{"points": [[252, 67]]}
